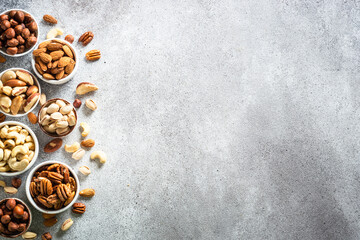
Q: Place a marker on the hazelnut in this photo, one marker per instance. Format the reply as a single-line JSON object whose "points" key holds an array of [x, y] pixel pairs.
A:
{"points": [[13, 23], [25, 216], [31, 41], [4, 17], [12, 227], [19, 16], [20, 205], [20, 39], [12, 13], [18, 212], [5, 219], [12, 50], [69, 38], [18, 29], [10, 204], [32, 26], [2, 228], [25, 33], [10, 33], [21, 49], [5, 24], [27, 18], [22, 227], [1, 212], [16, 182], [77, 103], [12, 42]]}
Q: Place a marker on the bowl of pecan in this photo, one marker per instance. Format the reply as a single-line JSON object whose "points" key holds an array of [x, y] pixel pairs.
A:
{"points": [[52, 187], [18, 32], [55, 61], [15, 217]]}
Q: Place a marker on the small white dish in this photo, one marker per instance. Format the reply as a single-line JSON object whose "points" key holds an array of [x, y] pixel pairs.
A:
{"points": [[63, 80], [36, 142], [37, 37], [36, 83], [30, 198]]}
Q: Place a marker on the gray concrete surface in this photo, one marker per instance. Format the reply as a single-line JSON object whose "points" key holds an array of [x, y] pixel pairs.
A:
{"points": [[222, 119]]}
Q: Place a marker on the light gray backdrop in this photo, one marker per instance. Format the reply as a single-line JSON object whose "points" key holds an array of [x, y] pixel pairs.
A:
{"points": [[223, 119]]}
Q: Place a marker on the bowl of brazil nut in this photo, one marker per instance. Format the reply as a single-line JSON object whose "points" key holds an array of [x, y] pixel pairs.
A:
{"points": [[55, 61], [20, 92], [57, 117], [19, 148], [15, 217], [52, 187], [18, 32]]}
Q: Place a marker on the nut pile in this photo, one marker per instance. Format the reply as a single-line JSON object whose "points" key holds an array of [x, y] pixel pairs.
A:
{"points": [[53, 187], [14, 217], [54, 59], [19, 92], [17, 148], [18, 32], [57, 117]]}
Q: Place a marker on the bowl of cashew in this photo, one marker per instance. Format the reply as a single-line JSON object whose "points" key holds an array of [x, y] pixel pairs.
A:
{"points": [[19, 148]]}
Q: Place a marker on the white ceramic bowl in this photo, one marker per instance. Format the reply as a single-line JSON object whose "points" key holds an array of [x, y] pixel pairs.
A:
{"points": [[36, 142], [31, 200], [37, 37], [36, 82], [63, 80]]}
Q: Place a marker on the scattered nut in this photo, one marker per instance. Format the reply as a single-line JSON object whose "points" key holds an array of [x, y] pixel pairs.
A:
{"points": [[50, 221], [85, 170], [87, 192], [67, 224], [48, 216], [46, 236], [99, 155], [85, 129], [93, 55], [86, 38], [77, 103], [2, 59], [29, 235], [91, 104], [2, 183], [16, 182], [69, 38], [88, 143], [10, 190], [49, 19], [32, 118], [79, 208], [42, 99], [53, 145], [78, 154], [53, 33], [72, 148], [85, 87]]}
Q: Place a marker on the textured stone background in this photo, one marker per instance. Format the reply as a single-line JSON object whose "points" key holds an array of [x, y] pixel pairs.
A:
{"points": [[222, 119]]}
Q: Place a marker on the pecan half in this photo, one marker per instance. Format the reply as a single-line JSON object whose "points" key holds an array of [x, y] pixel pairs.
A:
{"points": [[93, 55], [79, 208], [55, 177], [33, 189], [43, 201], [86, 38], [45, 187], [63, 192]]}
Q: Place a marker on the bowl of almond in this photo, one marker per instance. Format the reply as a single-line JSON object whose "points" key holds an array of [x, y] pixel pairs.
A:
{"points": [[52, 187], [55, 61]]}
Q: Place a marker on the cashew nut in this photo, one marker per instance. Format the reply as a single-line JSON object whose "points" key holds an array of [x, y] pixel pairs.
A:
{"points": [[98, 155], [19, 138], [4, 131], [20, 149], [30, 145], [3, 163], [17, 165], [86, 129], [15, 128], [28, 139], [72, 148], [2, 145], [6, 168], [9, 143], [1, 154], [7, 153]]}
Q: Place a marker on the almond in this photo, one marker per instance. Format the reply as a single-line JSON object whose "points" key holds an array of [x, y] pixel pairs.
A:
{"points": [[85, 87], [60, 75], [68, 51], [54, 46], [43, 44], [49, 19], [56, 55], [53, 145], [38, 68], [37, 52], [87, 192], [46, 58], [70, 67], [64, 61], [88, 143], [48, 76], [32, 118]]}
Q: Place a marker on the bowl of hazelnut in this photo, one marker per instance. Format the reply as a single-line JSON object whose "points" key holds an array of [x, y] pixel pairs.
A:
{"points": [[57, 117], [18, 32], [55, 61], [15, 217], [52, 187], [20, 92]]}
